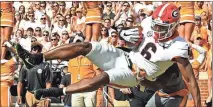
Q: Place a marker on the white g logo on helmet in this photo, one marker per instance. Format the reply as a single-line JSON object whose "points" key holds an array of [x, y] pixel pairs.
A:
{"points": [[175, 13]]}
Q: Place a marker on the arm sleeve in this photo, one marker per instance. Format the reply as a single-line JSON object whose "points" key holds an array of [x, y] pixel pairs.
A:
{"points": [[202, 52]]}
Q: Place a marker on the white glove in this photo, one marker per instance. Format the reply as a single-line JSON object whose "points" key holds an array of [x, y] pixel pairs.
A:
{"points": [[130, 35]]}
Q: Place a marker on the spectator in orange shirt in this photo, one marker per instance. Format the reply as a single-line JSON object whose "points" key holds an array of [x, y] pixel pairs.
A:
{"points": [[82, 68], [202, 11], [199, 8], [201, 31], [198, 54]]}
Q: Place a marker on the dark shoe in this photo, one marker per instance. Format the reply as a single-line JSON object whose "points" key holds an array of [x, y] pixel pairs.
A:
{"points": [[51, 92], [29, 60]]}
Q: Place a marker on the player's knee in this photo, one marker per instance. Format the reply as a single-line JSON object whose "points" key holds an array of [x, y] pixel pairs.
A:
{"points": [[86, 47], [99, 80], [104, 77]]}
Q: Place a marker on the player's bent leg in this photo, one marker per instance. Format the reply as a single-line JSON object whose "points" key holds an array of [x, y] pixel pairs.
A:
{"points": [[122, 76], [69, 51], [104, 55], [85, 85], [64, 52]]}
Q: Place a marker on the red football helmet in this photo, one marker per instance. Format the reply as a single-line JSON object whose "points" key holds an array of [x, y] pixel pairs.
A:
{"points": [[165, 19]]}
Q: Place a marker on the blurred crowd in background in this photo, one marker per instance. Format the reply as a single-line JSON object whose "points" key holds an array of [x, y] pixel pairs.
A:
{"points": [[45, 25]]}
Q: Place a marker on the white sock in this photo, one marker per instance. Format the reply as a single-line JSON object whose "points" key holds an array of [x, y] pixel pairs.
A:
{"points": [[64, 90]]}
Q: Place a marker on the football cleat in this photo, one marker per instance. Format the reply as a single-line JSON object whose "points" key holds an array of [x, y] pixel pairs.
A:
{"points": [[50, 92]]}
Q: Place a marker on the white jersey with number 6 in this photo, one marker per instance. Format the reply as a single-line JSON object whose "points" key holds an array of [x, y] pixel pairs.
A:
{"points": [[155, 57]]}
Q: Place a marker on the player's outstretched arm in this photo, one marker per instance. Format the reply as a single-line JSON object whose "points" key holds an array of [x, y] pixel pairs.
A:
{"points": [[187, 72]]}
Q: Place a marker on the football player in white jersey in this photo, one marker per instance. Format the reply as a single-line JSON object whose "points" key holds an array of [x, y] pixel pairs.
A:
{"points": [[151, 55]]}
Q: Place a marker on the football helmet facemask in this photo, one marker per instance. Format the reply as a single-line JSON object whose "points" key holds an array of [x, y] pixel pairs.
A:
{"points": [[165, 19]]}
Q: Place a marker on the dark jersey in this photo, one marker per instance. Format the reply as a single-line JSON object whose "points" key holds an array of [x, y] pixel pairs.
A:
{"points": [[36, 77]]}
